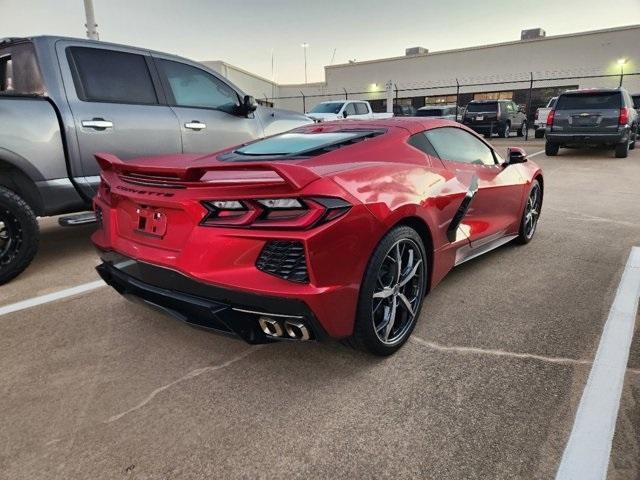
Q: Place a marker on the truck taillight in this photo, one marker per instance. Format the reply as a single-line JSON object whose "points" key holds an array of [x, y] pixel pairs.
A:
{"points": [[552, 113], [275, 213], [623, 117]]}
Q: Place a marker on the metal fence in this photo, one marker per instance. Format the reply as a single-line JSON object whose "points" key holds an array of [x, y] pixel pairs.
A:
{"points": [[535, 91]]}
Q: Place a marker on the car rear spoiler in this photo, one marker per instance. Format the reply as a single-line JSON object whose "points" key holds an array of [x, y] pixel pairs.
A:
{"points": [[297, 176]]}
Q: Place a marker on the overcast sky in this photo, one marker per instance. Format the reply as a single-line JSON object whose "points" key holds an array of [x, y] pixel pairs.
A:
{"points": [[246, 32]]}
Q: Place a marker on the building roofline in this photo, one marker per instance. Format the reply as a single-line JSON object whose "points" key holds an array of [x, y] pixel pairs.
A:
{"points": [[481, 47]]}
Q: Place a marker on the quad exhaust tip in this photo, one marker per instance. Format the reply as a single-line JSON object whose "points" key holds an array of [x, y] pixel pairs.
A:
{"points": [[292, 329]]}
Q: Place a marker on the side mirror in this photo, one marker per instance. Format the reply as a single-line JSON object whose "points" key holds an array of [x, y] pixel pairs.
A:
{"points": [[345, 114], [249, 105], [515, 155]]}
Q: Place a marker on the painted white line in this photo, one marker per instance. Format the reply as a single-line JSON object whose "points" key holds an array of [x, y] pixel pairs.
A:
{"points": [[534, 154], [51, 297], [586, 456]]}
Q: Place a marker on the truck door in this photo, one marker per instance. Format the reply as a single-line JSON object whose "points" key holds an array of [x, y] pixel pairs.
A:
{"points": [[207, 108], [117, 106]]}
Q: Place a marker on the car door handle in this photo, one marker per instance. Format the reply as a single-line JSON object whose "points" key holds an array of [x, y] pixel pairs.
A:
{"points": [[97, 123], [195, 125]]}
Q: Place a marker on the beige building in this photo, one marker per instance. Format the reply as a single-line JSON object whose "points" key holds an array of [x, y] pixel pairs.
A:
{"points": [[503, 70]]}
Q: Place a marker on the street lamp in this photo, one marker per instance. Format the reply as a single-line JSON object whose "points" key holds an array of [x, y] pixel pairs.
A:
{"points": [[622, 62], [305, 47]]}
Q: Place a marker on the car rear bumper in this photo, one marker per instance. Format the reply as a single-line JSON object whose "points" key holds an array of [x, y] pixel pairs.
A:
{"points": [[223, 310], [493, 127], [587, 138]]}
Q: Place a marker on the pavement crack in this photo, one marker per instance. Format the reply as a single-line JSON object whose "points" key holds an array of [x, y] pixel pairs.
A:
{"points": [[192, 374], [500, 353]]}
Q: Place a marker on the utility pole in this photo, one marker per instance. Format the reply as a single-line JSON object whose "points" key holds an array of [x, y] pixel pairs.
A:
{"points": [[92, 26], [305, 47]]}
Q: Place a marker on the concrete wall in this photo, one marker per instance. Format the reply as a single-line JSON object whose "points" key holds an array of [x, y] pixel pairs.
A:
{"points": [[584, 54]]}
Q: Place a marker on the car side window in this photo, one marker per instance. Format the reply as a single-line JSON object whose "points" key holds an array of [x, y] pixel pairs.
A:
{"points": [[459, 145], [192, 87], [350, 109], [361, 108], [102, 75], [422, 143]]}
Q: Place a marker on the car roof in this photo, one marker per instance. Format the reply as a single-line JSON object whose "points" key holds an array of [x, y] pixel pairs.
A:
{"points": [[410, 124], [578, 91]]}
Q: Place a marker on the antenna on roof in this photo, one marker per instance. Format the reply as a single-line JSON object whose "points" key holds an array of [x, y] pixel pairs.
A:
{"points": [[92, 26], [333, 57]]}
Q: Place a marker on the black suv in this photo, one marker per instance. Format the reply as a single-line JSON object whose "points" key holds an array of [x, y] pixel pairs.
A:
{"points": [[593, 117], [495, 116]]}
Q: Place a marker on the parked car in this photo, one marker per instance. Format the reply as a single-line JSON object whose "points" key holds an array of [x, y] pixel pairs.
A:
{"points": [[540, 123], [404, 111], [593, 117], [63, 99], [636, 102], [344, 109], [329, 231], [445, 112], [495, 116]]}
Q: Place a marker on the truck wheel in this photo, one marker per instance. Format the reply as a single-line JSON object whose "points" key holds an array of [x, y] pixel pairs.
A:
{"points": [[551, 149], [539, 132], [505, 130], [622, 150], [18, 235]]}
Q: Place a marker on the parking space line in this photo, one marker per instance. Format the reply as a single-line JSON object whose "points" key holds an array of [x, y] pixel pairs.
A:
{"points": [[534, 154], [586, 456], [51, 297]]}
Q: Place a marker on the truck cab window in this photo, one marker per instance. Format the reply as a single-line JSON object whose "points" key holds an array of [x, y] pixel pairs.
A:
{"points": [[193, 87], [6, 77], [103, 75], [350, 109], [361, 108]]}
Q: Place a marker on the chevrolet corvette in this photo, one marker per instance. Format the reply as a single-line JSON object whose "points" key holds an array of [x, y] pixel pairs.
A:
{"points": [[330, 231]]}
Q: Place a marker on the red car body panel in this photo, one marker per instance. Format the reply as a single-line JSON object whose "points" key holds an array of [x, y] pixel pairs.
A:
{"points": [[386, 180]]}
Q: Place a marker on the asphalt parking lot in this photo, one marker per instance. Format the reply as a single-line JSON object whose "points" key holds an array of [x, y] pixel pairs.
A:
{"points": [[93, 386]]}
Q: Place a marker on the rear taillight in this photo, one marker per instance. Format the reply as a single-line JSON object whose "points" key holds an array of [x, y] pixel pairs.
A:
{"points": [[623, 117], [552, 113], [277, 213]]}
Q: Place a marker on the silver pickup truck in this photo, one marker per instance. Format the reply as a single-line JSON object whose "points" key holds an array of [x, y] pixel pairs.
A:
{"points": [[64, 99]]}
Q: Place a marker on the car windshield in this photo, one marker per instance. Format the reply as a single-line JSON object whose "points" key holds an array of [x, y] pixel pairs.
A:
{"points": [[589, 101], [482, 107], [330, 107], [431, 112], [295, 143]]}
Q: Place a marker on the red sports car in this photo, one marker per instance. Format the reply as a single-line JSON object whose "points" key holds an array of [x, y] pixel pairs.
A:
{"points": [[336, 230]]}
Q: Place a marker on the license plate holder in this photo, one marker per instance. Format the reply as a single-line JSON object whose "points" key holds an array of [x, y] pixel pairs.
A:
{"points": [[151, 221]]}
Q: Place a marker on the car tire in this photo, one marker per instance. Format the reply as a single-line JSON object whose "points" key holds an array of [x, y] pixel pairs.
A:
{"points": [[19, 234], [530, 214], [632, 145], [551, 149], [522, 129], [622, 150], [375, 331], [505, 130], [539, 133]]}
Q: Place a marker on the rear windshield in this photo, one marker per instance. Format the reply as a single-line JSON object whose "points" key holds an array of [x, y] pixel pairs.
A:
{"points": [[295, 143], [589, 101], [483, 107], [432, 112], [332, 107]]}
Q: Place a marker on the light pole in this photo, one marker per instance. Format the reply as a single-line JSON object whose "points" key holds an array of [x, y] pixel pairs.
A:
{"points": [[305, 47], [622, 62], [92, 26]]}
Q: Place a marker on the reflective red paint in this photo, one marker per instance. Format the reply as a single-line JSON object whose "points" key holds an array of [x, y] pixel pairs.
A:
{"points": [[384, 179]]}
